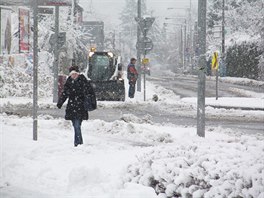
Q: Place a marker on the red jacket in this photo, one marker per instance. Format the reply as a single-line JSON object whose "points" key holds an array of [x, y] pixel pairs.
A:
{"points": [[132, 73]]}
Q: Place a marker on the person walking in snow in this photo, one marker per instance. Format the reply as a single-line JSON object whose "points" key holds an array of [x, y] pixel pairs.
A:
{"points": [[132, 76], [75, 89]]}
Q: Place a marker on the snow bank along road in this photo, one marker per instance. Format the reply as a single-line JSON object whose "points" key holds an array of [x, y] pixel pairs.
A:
{"points": [[186, 85], [179, 113]]}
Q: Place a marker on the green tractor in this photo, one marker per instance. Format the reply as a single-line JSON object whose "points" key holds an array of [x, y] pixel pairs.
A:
{"points": [[105, 74]]}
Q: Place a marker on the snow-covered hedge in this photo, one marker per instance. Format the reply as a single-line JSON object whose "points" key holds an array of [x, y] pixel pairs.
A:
{"points": [[211, 167], [242, 60]]}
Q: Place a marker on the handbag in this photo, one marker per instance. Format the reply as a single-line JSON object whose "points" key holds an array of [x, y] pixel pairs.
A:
{"points": [[90, 103]]}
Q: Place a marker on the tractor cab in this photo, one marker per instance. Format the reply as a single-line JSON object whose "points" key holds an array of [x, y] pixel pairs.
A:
{"points": [[105, 73]]}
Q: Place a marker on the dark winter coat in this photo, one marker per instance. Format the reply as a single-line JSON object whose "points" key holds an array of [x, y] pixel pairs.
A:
{"points": [[132, 73], [75, 90]]}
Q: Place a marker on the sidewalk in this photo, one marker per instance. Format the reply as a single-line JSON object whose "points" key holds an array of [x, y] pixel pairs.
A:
{"points": [[231, 103]]}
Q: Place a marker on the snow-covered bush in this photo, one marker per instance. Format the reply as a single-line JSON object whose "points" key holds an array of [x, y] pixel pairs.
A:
{"points": [[231, 167], [17, 79]]}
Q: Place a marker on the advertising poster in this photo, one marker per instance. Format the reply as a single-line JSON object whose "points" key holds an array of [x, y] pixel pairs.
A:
{"points": [[24, 30], [5, 31]]}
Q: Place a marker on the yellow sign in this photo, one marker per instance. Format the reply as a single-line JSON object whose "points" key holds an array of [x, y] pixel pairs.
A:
{"points": [[145, 61], [93, 49], [215, 61]]}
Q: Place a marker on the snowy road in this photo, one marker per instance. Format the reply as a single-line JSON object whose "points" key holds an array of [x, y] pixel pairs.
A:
{"points": [[163, 115], [173, 106], [186, 86]]}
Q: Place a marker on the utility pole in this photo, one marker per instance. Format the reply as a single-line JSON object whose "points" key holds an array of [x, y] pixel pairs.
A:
{"points": [[201, 67], [35, 71], [56, 57], [138, 51], [223, 39]]}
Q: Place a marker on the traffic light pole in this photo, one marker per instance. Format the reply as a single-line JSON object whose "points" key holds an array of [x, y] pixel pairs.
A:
{"points": [[201, 67], [138, 50]]}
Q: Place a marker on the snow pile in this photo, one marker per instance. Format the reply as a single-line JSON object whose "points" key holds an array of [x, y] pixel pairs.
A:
{"points": [[25, 103], [134, 130], [134, 119], [217, 166], [136, 191], [245, 93], [232, 114], [164, 95], [242, 81], [229, 102]]}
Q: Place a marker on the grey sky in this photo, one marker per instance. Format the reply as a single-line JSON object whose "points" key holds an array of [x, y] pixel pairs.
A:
{"points": [[109, 10]]}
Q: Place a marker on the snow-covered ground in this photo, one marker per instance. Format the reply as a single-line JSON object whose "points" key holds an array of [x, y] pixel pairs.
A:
{"points": [[169, 158], [131, 157]]}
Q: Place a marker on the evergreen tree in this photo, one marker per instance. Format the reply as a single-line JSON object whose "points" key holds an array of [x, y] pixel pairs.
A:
{"points": [[242, 60]]}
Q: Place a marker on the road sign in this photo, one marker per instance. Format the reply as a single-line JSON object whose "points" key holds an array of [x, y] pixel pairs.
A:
{"points": [[145, 24], [145, 61], [145, 45], [215, 61]]}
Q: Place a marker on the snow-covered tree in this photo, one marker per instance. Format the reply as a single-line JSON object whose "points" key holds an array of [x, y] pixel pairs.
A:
{"points": [[129, 25], [243, 22]]}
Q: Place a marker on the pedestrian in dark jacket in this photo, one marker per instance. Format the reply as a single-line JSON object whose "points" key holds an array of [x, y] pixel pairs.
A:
{"points": [[75, 88], [132, 76]]}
